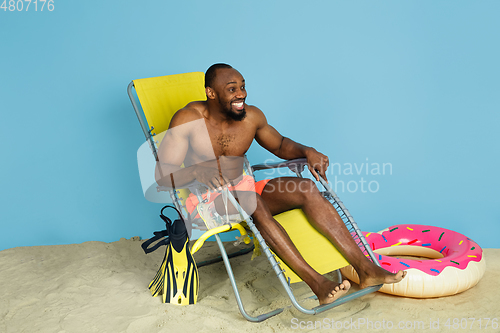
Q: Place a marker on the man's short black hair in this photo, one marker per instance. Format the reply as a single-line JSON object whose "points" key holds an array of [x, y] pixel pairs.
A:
{"points": [[210, 73]]}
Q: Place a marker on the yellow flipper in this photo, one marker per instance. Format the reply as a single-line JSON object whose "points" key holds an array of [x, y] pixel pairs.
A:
{"points": [[177, 280]]}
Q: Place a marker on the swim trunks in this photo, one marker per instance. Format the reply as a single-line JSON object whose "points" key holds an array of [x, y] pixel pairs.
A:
{"points": [[247, 183]]}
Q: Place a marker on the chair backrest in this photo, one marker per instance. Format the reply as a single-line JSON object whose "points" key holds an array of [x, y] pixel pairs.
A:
{"points": [[162, 96]]}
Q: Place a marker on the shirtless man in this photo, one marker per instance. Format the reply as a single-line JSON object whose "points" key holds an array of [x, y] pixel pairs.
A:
{"points": [[232, 125]]}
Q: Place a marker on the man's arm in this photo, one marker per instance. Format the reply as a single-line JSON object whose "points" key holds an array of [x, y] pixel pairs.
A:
{"points": [[285, 148], [172, 152]]}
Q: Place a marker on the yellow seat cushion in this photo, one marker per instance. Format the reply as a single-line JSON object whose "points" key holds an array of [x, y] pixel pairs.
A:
{"points": [[316, 249]]}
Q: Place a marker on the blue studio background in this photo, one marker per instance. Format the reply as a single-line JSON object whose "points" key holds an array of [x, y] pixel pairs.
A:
{"points": [[408, 87]]}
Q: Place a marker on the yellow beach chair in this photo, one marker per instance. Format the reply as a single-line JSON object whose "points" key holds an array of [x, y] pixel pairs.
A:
{"points": [[160, 97]]}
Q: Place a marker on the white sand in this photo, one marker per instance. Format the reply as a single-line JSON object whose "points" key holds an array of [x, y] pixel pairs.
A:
{"points": [[101, 287]]}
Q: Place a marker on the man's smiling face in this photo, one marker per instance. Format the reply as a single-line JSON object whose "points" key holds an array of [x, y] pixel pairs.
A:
{"points": [[231, 93]]}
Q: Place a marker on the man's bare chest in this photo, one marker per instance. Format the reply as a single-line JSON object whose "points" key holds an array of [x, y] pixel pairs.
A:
{"points": [[233, 141]]}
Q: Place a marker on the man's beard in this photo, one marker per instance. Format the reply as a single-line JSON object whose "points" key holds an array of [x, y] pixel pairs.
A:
{"points": [[237, 116]]}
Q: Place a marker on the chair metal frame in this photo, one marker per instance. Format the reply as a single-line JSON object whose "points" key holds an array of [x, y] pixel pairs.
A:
{"points": [[297, 166]]}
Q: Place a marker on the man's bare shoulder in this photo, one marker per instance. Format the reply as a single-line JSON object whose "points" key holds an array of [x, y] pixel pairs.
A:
{"points": [[191, 112], [256, 116]]}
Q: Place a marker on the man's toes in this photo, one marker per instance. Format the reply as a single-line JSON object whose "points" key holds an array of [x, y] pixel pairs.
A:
{"points": [[346, 285], [400, 275], [338, 291]]}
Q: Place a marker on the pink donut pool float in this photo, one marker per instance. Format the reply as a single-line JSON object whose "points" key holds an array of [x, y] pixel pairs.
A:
{"points": [[454, 262]]}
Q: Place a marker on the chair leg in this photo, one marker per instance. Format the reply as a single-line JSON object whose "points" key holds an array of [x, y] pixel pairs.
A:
{"points": [[259, 318], [339, 275]]}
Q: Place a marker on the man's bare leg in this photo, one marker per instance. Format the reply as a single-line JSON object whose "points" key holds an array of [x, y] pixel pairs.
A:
{"points": [[276, 237], [282, 194]]}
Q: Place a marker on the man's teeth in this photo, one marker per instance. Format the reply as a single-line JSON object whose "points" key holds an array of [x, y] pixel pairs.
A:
{"points": [[238, 106]]}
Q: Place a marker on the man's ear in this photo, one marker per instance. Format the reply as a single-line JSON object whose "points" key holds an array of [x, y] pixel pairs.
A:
{"points": [[210, 93]]}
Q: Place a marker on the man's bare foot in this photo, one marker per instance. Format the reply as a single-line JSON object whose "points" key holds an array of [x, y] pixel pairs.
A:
{"points": [[380, 276], [332, 291]]}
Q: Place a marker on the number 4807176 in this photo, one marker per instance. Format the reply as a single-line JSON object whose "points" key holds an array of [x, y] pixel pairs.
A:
{"points": [[20, 5]]}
